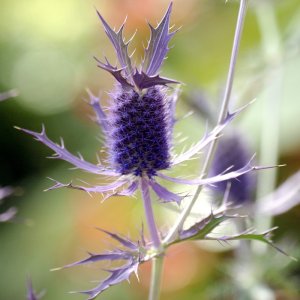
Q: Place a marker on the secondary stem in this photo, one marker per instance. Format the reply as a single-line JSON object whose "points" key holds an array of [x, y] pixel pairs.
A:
{"points": [[222, 115], [157, 261], [269, 148], [149, 214], [156, 276]]}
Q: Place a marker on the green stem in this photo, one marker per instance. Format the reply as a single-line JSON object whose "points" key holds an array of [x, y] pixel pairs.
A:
{"points": [[156, 277], [269, 141], [149, 214], [157, 261], [222, 115], [245, 258]]}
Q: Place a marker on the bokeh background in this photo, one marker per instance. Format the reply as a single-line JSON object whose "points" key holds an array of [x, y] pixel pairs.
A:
{"points": [[46, 53]]}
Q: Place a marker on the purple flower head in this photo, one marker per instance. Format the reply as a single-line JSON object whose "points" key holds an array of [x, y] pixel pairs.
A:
{"points": [[141, 133], [139, 127], [233, 152]]}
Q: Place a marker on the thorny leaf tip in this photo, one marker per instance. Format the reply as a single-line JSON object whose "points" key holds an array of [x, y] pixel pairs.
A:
{"points": [[157, 48], [120, 46]]}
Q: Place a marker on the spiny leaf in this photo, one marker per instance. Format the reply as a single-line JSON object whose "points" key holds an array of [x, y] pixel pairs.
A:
{"points": [[200, 230], [114, 71], [117, 275], [62, 153], [158, 45], [143, 81], [124, 241], [264, 237], [120, 255], [164, 194], [93, 189], [101, 117], [120, 46]]}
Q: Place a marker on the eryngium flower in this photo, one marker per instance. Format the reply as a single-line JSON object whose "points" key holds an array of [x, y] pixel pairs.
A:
{"points": [[138, 129], [140, 132], [233, 153], [138, 124]]}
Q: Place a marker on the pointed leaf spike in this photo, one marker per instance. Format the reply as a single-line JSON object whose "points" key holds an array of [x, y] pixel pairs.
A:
{"points": [[120, 46], [64, 154], [117, 275], [95, 258], [124, 241], [164, 194], [143, 81], [201, 229], [158, 45], [114, 71], [93, 189]]}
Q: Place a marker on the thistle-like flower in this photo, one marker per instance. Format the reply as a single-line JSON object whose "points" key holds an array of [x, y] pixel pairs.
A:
{"points": [[138, 124], [138, 129]]}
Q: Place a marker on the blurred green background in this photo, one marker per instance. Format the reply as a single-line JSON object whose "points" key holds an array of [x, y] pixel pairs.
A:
{"points": [[46, 53]]}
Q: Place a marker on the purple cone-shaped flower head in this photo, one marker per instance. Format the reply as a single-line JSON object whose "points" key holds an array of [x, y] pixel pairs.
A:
{"points": [[139, 127], [140, 133], [233, 152]]}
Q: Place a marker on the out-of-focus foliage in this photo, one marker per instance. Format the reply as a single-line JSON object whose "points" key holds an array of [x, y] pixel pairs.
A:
{"points": [[47, 50]]}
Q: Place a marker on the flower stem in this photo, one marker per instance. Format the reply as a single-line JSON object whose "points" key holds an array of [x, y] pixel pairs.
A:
{"points": [[149, 214], [157, 261], [156, 276], [270, 128], [222, 115]]}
